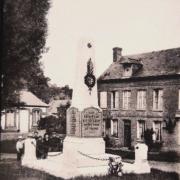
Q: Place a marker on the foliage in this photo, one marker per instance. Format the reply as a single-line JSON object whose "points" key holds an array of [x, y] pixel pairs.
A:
{"points": [[148, 138], [50, 123], [62, 116], [55, 123], [61, 93], [24, 37], [170, 108], [110, 141]]}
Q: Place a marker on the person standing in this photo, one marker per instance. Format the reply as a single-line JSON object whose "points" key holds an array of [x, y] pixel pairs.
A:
{"points": [[19, 148], [54, 142], [36, 135], [29, 150], [39, 148], [45, 145]]}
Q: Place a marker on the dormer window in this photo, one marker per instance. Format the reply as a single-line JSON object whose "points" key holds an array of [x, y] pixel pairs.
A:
{"points": [[127, 70], [130, 66]]}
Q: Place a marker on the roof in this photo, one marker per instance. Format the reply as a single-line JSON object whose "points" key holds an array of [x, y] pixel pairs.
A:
{"points": [[54, 104], [156, 63], [30, 99]]}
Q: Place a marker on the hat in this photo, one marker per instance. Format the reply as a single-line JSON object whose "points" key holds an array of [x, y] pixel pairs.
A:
{"points": [[20, 137]]}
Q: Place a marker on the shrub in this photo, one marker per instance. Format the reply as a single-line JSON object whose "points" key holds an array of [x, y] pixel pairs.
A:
{"points": [[51, 124]]}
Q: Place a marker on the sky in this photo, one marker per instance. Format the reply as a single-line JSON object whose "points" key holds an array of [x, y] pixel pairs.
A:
{"points": [[136, 26]]}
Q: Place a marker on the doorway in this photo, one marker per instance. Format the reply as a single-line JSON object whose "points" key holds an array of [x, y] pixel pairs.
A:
{"points": [[127, 133]]}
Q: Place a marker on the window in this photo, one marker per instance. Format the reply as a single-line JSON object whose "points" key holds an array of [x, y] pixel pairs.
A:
{"points": [[114, 127], [103, 99], [179, 99], [141, 100], [127, 71], [114, 99], [126, 99], [36, 116], [157, 131], [104, 127], [157, 99], [10, 119], [140, 129]]}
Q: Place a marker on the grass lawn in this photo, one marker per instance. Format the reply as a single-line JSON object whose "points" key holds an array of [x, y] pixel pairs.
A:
{"points": [[11, 170]]}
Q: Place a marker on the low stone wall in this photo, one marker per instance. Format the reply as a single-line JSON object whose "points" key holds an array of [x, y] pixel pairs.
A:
{"points": [[167, 156]]}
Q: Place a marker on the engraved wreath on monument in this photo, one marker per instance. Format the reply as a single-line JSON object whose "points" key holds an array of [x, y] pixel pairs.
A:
{"points": [[89, 78]]}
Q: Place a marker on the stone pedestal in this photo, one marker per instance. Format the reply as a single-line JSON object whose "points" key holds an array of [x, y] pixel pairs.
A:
{"points": [[85, 156], [141, 165], [141, 162], [84, 147]]}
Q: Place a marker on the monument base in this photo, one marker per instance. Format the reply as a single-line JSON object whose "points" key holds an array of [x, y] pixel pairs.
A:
{"points": [[80, 157], [136, 167], [85, 156]]}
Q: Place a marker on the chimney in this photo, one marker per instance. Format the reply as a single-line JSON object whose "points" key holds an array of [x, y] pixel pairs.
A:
{"points": [[117, 54]]}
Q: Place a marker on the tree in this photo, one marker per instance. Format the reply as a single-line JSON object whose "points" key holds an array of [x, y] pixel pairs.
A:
{"points": [[62, 116], [24, 37], [170, 107]]}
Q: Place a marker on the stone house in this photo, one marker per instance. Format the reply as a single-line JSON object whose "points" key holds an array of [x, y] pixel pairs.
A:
{"points": [[140, 92], [23, 118]]}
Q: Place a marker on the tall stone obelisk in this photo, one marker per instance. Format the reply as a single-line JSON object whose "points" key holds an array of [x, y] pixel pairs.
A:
{"points": [[83, 122], [83, 94], [84, 145]]}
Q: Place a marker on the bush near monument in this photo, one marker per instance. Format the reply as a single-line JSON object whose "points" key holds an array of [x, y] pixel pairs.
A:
{"points": [[54, 123]]}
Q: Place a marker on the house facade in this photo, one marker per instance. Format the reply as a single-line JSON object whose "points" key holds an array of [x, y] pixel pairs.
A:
{"points": [[24, 118], [141, 92]]}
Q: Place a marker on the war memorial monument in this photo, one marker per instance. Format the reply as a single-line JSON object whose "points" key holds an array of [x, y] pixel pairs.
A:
{"points": [[84, 148]]}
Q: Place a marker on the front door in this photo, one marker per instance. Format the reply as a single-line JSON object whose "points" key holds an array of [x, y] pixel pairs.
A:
{"points": [[127, 133]]}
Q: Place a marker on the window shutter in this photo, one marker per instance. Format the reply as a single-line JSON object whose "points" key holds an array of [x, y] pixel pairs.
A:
{"points": [[144, 100], [123, 99], [138, 130], [112, 127], [160, 100], [154, 100], [128, 99], [138, 99], [179, 100], [116, 99], [103, 99], [112, 100]]}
